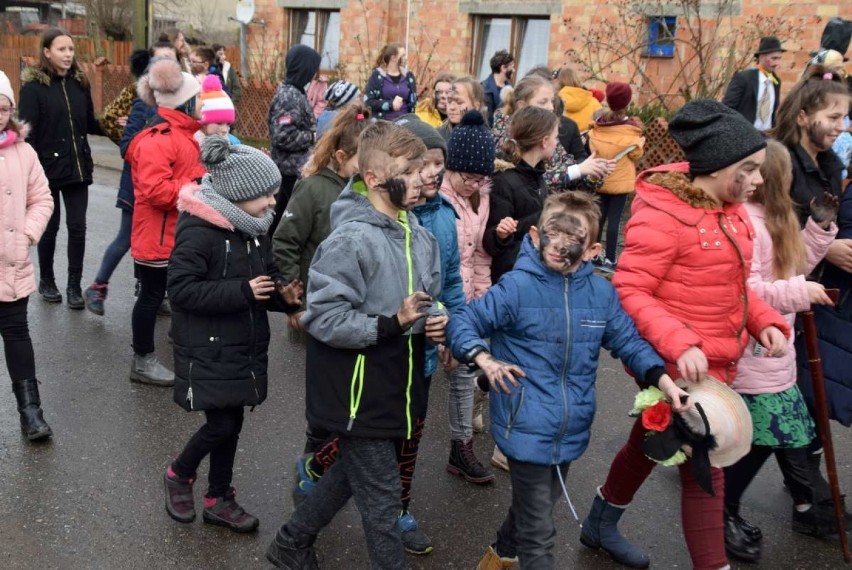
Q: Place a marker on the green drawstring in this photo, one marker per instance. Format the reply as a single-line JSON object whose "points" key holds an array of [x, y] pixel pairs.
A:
{"points": [[355, 398]]}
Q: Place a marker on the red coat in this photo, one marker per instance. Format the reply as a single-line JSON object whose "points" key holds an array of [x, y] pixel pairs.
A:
{"points": [[684, 270], [163, 158]]}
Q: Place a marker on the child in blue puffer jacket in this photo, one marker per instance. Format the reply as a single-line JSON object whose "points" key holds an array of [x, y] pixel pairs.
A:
{"points": [[547, 320]]}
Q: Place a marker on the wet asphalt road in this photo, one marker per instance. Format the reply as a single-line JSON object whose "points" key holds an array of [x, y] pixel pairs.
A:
{"points": [[92, 497]]}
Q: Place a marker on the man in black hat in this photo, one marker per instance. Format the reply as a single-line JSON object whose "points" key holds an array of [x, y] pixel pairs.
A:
{"points": [[756, 93]]}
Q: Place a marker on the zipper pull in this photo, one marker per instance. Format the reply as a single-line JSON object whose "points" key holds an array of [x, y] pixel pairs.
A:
{"points": [[248, 247], [351, 421], [256, 243], [189, 397]]}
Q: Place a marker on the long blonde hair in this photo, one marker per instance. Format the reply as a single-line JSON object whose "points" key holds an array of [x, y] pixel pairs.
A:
{"points": [[781, 221]]}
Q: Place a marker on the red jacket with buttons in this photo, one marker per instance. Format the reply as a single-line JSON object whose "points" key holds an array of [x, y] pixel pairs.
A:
{"points": [[163, 158], [684, 270]]}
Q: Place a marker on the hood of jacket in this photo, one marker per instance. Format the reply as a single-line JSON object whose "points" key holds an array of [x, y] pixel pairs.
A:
{"points": [[302, 64], [668, 189], [615, 132], [353, 206], [576, 98], [433, 205], [34, 74], [529, 260], [190, 201]]}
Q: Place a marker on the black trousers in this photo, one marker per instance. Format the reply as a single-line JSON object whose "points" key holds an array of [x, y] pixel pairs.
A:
{"points": [[152, 291], [17, 344], [793, 463], [217, 438], [76, 199], [612, 207]]}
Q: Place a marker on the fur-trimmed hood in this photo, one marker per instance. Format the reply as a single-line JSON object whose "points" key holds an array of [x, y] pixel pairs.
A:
{"points": [[190, 202], [34, 74], [668, 189]]}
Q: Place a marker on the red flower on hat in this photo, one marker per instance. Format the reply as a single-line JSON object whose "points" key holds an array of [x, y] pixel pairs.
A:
{"points": [[657, 417]]}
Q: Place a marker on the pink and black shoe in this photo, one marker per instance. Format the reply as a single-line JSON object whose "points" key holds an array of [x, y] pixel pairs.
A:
{"points": [[224, 511], [180, 504]]}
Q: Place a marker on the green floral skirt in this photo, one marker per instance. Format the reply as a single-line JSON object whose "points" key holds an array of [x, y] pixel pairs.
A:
{"points": [[781, 419]]}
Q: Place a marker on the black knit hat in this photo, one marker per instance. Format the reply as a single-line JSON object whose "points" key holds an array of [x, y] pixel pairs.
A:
{"points": [[470, 148], [425, 132], [713, 135]]}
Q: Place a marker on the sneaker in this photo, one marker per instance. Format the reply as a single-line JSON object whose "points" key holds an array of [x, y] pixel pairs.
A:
{"points": [[224, 511], [414, 539], [463, 463], [306, 479], [493, 561], [499, 460], [95, 295], [606, 266], [285, 552], [180, 503]]}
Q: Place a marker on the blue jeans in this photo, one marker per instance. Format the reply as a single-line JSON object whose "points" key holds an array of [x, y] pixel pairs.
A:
{"points": [[116, 251], [528, 530]]}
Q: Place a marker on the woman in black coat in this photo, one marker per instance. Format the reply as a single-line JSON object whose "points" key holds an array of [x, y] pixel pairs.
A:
{"points": [[57, 103]]}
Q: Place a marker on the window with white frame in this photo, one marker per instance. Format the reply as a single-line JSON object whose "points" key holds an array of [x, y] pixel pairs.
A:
{"points": [[526, 38], [319, 29]]}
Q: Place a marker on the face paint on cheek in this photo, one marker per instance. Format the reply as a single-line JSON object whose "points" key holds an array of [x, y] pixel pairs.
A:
{"points": [[396, 191], [817, 134], [572, 246]]}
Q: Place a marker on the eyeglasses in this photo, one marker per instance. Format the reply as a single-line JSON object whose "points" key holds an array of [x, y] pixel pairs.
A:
{"points": [[7, 110], [474, 181]]}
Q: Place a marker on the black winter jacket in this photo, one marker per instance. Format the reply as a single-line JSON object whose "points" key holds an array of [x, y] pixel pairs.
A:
{"points": [[517, 193], [812, 180], [60, 113], [220, 333]]}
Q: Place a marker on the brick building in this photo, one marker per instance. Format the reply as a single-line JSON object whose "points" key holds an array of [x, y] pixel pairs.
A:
{"points": [[461, 35]]}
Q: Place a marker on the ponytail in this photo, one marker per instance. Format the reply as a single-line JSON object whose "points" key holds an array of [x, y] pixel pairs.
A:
{"points": [[344, 133]]}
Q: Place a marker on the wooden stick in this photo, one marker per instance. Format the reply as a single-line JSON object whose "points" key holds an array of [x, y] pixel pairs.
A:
{"points": [[821, 404]]}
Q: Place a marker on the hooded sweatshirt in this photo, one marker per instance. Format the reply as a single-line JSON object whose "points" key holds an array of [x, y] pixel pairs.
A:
{"points": [[291, 119], [364, 376], [580, 105]]}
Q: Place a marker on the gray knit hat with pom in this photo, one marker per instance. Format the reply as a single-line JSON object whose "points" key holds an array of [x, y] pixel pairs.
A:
{"points": [[237, 172]]}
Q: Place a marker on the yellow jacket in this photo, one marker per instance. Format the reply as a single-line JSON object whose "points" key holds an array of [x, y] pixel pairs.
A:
{"points": [[609, 140], [428, 113], [580, 105]]}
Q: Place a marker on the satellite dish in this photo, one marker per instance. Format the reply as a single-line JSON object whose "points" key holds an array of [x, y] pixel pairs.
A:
{"points": [[245, 11]]}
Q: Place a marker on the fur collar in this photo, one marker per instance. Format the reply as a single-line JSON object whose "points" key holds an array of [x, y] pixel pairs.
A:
{"points": [[189, 202], [35, 74], [678, 184]]}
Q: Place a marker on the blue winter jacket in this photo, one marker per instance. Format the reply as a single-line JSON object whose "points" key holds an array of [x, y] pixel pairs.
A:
{"points": [[439, 217], [834, 330], [553, 327], [140, 114]]}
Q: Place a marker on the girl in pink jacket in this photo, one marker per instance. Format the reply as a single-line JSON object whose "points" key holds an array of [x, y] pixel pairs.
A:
{"points": [[467, 181], [783, 256], [25, 208]]}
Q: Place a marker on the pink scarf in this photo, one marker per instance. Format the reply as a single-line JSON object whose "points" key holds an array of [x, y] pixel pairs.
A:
{"points": [[7, 138]]}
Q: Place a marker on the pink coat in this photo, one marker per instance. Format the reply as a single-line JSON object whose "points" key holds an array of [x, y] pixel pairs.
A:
{"points": [[764, 375], [475, 261], [25, 208]]}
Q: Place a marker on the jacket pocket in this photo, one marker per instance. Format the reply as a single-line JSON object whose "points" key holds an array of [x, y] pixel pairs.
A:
{"points": [[56, 162], [516, 403], [163, 227]]}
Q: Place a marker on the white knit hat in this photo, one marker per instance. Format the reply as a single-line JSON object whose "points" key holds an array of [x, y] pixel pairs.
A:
{"points": [[166, 85], [6, 88]]}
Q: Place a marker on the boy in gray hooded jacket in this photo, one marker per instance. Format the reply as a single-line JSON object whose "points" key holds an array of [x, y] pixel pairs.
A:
{"points": [[371, 286]]}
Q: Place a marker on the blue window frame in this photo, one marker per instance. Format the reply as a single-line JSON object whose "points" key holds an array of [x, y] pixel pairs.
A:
{"points": [[661, 33]]}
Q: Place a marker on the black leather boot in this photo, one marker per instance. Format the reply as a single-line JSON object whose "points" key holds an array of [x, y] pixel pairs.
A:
{"points": [[48, 291], [74, 294], [743, 540], [29, 406]]}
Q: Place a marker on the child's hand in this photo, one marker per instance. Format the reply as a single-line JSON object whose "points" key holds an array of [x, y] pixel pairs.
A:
{"points": [[292, 292], [596, 167], [692, 364], [122, 121], [774, 340], [262, 287], [415, 306], [498, 372], [446, 360], [677, 396], [436, 328], [825, 213], [506, 227], [817, 294], [295, 321]]}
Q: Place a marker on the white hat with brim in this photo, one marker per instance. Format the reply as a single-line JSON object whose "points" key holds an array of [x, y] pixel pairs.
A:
{"points": [[727, 415]]}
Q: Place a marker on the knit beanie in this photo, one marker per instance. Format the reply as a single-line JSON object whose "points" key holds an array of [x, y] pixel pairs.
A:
{"points": [[237, 172], [340, 93], [216, 106], [618, 96], [425, 132], [470, 148], [6, 88], [713, 136], [166, 85]]}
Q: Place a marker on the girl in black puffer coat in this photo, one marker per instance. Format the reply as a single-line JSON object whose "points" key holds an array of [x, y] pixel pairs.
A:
{"points": [[221, 281]]}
